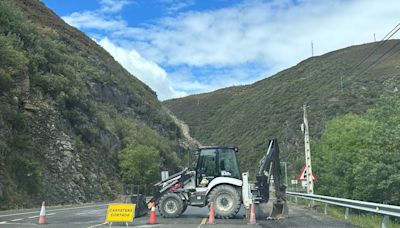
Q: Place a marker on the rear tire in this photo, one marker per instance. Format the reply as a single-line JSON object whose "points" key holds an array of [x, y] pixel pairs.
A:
{"points": [[226, 201], [170, 205]]}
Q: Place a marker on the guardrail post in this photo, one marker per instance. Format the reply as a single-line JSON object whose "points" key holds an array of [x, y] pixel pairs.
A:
{"points": [[385, 221], [312, 203], [295, 199], [326, 209], [346, 213]]}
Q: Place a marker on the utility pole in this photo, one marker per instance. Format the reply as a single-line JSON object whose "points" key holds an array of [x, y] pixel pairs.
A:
{"points": [[312, 49], [374, 37], [341, 84], [310, 183], [189, 159], [286, 178]]}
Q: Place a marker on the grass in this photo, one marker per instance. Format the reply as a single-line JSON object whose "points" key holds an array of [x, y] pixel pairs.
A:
{"points": [[356, 217]]}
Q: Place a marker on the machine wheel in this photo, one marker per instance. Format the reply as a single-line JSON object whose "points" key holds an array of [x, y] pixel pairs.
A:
{"points": [[226, 201], [170, 205]]}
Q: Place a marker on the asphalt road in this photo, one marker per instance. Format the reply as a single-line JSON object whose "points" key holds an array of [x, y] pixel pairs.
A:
{"points": [[94, 215]]}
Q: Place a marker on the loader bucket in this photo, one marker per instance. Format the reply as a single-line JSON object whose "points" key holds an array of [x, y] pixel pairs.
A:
{"points": [[280, 210], [140, 201]]}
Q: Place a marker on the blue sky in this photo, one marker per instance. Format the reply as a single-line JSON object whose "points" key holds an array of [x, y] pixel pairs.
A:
{"points": [[183, 47]]}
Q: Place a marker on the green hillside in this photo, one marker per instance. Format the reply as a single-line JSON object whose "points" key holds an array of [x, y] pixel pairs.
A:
{"points": [[67, 109], [249, 115]]}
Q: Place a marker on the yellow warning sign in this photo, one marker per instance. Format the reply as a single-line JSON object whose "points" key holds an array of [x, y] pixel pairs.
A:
{"points": [[120, 212]]}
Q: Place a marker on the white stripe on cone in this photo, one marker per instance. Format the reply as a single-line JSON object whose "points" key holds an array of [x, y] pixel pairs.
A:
{"points": [[42, 215], [43, 210]]}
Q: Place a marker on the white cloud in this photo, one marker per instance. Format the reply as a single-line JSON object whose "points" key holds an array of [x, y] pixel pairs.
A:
{"points": [[147, 71], [113, 6], [275, 33], [100, 19], [174, 6], [92, 20], [194, 81], [241, 43]]}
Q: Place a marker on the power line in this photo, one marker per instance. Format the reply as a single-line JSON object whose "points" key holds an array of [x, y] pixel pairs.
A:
{"points": [[384, 54], [384, 39], [391, 31]]}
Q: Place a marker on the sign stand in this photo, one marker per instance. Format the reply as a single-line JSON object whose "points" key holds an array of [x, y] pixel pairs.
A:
{"points": [[110, 224]]}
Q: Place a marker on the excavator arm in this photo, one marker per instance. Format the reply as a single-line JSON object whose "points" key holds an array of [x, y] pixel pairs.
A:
{"points": [[270, 169]]}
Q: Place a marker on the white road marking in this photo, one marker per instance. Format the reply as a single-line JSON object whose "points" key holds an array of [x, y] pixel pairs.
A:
{"points": [[14, 220], [104, 223], [152, 225], [52, 214], [61, 209], [22, 224], [92, 212], [37, 216], [3, 222]]}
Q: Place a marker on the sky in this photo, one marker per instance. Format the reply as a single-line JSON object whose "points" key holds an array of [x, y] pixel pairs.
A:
{"points": [[184, 47]]}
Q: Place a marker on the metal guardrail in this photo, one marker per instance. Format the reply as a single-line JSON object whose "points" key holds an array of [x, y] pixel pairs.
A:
{"points": [[384, 209]]}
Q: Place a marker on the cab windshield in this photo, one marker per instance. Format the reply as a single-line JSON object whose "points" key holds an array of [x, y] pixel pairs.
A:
{"points": [[217, 162]]}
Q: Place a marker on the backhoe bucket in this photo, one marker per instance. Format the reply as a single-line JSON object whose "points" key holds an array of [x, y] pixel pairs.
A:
{"points": [[280, 210], [141, 206]]}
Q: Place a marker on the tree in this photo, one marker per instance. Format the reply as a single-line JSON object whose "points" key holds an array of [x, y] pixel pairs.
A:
{"points": [[358, 156], [377, 175], [139, 164], [341, 146]]}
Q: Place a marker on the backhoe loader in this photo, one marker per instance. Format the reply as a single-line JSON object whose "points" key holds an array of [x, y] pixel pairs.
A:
{"points": [[217, 179]]}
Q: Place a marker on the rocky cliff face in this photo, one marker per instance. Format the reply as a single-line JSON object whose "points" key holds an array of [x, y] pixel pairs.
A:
{"points": [[187, 141], [67, 109]]}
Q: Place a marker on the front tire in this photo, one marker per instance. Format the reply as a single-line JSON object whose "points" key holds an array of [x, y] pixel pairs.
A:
{"points": [[226, 201], [170, 205]]}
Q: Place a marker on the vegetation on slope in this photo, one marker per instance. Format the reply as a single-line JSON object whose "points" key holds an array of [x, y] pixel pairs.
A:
{"points": [[250, 115], [67, 109], [358, 157]]}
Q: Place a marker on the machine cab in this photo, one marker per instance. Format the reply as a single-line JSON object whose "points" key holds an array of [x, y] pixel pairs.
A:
{"points": [[215, 162]]}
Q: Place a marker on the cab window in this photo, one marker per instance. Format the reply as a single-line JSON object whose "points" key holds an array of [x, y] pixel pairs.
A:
{"points": [[228, 163]]}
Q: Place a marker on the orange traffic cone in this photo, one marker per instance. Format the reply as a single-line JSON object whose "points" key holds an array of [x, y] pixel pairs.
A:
{"points": [[152, 219], [42, 215], [211, 215], [252, 215]]}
